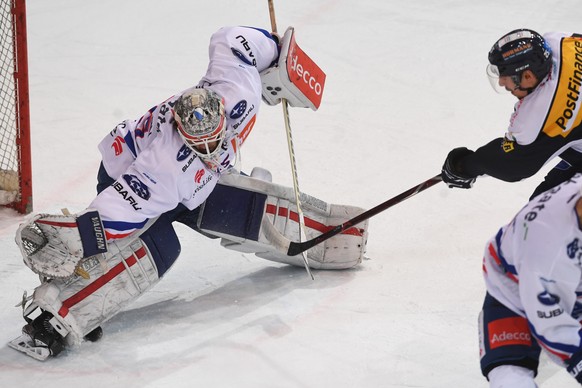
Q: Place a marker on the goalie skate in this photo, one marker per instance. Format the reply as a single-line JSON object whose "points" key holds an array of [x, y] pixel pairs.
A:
{"points": [[26, 345], [39, 339]]}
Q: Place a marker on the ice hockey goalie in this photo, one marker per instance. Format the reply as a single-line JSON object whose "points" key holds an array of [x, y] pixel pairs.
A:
{"points": [[86, 281]]}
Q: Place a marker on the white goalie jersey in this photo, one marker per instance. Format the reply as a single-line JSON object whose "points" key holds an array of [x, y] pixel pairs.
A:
{"points": [[153, 168], [94, 263]]}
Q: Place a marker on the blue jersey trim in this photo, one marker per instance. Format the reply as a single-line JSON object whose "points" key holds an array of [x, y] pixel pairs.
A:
{"points": [[508, 267]]}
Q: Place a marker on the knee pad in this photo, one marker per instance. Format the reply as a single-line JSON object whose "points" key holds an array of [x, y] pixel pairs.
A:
{"points": [[505, 338]]}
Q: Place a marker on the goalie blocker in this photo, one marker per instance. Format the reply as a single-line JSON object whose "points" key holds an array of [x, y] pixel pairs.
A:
{"points": [[295, 77]]}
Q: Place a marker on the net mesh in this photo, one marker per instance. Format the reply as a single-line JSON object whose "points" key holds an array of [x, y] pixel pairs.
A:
{"points": [[8, 128], [15, 167]]}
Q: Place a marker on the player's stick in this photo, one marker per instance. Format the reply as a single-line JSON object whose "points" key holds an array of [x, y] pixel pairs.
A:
{"points": [[296, 248], [291, 156]]}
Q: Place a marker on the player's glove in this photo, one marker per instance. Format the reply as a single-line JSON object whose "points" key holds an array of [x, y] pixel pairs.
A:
{"points": [[450, 174], [575, 366], [53, 245]]}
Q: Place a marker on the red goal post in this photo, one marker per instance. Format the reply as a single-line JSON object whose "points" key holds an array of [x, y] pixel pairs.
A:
{"points": [[15, 155]]}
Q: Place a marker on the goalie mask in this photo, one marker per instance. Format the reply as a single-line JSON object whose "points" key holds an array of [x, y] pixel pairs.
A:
{"points": [[200, 119]]}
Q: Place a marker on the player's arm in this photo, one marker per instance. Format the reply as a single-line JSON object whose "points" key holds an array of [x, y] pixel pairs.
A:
{"points": [[246, 47], [502, 159]]}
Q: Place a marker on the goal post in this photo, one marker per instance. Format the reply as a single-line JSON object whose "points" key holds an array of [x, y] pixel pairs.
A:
{"points": [[15, 155]]}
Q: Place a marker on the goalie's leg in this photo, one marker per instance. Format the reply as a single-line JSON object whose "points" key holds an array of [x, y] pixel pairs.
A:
{"points": [[74, 308]]}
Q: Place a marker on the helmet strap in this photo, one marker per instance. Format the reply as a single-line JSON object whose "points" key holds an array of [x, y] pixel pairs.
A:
{"points": [[517, 81]]}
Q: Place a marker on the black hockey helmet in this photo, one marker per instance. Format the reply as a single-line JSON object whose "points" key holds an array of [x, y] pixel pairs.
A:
{"points": [[517, 51], [521, 50]]}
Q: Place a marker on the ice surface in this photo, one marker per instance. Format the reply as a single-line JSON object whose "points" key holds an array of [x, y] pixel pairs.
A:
{"points": [[405, 84]]}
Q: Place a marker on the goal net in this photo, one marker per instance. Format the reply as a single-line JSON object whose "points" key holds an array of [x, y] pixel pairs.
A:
{"points": [[15, 160]]}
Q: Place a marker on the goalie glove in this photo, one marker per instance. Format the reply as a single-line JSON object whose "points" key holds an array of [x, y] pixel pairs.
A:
{"points": [[295, 77], [53, 245]]}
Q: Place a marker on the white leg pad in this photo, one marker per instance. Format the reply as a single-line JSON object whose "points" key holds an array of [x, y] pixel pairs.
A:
{"points": [[270, 222], [99, 290]]}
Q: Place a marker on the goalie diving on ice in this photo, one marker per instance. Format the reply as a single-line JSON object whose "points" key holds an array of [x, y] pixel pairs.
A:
{"points": [[176, 163]]}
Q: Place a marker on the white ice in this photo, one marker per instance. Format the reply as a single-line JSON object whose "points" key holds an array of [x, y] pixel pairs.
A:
{"points": [[405, 84]]}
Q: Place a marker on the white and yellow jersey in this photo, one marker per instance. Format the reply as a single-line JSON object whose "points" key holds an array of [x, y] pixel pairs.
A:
{"points": [[554, 106]]}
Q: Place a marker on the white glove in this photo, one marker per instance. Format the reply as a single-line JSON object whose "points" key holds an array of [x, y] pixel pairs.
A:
{"points": [[53, 245]]}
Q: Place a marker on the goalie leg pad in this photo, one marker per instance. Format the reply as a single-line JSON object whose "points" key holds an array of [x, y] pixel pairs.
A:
{"points": [[233, 211], [255, 216], [105, 284]]}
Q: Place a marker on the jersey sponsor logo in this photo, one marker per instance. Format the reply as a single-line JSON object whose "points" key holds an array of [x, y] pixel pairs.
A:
{"points": [[125, 195], [137, 186], [576, 369], [183, 153], [189, 163], [564, 114], [247, 129], [533, 213], [249, 111], [240, 56], [507, 145], [151, 179], [117, 145], [238, 110], [226, 161], [550, 314], [548, 299], [509, 331], [305, 74], [249, 52], [199, 174], [202, 183]]}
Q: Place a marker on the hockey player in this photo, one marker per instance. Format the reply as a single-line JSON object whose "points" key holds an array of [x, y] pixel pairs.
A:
{"points": [[165, 167], [155, 170], [533, 275], [545, 74]]}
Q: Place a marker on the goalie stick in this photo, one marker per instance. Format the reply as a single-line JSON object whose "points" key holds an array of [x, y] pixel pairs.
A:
{"points": [[291, 154], [295, 248]]}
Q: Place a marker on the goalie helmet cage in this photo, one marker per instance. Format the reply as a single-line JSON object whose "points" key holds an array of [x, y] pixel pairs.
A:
{"points": [[15, 155]]}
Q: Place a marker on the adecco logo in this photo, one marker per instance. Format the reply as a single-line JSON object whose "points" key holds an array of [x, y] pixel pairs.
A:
{"points": [[305, 74], [509, 331]]}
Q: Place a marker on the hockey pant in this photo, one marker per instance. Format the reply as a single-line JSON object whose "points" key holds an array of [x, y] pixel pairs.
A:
{"points": [[104, 284], [253, 215], [505, 338]]}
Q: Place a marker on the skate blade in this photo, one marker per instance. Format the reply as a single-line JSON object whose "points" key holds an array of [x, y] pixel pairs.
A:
{"points": [[24, 344]]}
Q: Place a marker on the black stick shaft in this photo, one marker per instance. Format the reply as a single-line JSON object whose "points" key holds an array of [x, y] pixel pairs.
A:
{"points": [[296, 248]]}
